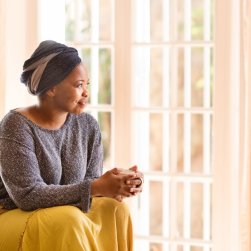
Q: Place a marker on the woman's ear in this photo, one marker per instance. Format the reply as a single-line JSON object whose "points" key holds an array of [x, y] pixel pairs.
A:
{"points": [[51, 92]]}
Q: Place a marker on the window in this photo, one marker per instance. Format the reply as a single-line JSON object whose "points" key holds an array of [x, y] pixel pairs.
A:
{"points": [[158, 112]]}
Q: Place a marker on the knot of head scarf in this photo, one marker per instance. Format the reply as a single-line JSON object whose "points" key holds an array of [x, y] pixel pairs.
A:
{"points": [[50, 63]]}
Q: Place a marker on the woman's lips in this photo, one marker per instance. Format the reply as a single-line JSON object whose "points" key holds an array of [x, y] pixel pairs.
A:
{"points": [[82, 102]]}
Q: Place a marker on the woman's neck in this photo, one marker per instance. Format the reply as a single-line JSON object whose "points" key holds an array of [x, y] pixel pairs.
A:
{"points": [[44, 116], [49, 117]]}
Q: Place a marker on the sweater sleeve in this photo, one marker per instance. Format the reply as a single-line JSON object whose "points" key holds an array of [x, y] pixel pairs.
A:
{"points": [[21, 176], [95, 151]]}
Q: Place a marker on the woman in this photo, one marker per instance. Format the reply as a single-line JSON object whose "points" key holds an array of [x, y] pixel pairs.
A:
{"points": [[53, 195]]}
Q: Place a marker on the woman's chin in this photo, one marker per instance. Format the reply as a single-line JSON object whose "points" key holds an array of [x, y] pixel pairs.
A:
{"points": [[78, 110]]}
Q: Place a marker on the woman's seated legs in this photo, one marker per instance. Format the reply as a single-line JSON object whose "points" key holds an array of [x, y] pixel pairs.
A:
{"points": [[107, 227]]}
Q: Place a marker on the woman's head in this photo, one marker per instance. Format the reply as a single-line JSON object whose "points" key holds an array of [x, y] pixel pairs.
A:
{"points": [[49, 65], [71, 94]]}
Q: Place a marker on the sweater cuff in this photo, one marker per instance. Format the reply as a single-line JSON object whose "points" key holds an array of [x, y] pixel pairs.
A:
{"points": [[85, 195]]}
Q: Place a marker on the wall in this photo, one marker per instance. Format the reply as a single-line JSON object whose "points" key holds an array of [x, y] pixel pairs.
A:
{"points": [[18, 38]]}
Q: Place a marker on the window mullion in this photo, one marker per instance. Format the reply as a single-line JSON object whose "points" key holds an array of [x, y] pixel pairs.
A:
{"points": [[122, 80]]}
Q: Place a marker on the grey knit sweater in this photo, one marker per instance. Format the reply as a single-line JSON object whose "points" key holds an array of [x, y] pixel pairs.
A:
{"points": [[43, 168]]}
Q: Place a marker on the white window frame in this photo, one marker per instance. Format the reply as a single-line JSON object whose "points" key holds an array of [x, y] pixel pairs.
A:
{"points": [[226, 147]]}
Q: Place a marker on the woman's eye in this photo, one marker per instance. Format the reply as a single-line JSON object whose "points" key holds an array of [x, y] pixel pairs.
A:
{"points": [[80, 85]]}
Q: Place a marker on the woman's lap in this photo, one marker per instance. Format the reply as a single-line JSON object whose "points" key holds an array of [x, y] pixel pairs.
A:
{"points": [[68, 228]]}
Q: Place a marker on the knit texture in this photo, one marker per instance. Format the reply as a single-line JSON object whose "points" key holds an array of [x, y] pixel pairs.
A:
{"points": [[42, 168]]}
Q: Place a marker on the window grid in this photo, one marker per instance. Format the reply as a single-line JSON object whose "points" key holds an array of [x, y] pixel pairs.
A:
{"points": [[169, 176], [94, 44], [205, 111]]}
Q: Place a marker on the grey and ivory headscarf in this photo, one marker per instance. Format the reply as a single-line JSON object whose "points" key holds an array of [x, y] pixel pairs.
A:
{"points": [[50, 63]]}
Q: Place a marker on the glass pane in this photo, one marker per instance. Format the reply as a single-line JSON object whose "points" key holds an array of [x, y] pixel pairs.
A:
{"points": [[177, 77], [197, 76], [156, 247], [180, 248], [156, 142], [78, 20], [197, 143], [195, 23], [193, 248], [141, 245], [141, 139], [141, 66], [176, 19], [141, 20], [156, 79], [156, 220], [177, 147], [197, 19], [105, 20], [104, 76], [197, 211], [180, 209], [85, 55], [156, 20], [104, 120]]}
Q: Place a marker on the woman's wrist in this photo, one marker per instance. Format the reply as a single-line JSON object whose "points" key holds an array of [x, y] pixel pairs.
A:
{"points": [[95, 188]]}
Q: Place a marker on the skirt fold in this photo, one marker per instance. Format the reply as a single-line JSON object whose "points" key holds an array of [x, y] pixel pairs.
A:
{"points": [[107, 227]]}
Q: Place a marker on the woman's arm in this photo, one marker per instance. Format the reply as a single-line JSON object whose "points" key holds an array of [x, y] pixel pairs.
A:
{"points": [[21, 177]]}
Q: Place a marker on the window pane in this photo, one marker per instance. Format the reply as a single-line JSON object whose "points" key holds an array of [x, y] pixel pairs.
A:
{"points": [[156, 142], [156, 247], [98, 62], [177, 77], [197, 211], [156, 20], [180, 248], [177, 148], [197, 19], [105, 20], [104, 120], [155, 194], [156, 78], [85, 55], [105, 76], [197, 66], [196, 248], [180, 209], [176, 20], [141, 65], [197, 143], [78, 20]]}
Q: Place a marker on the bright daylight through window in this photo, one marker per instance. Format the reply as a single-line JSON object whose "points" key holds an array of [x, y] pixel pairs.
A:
{"points": [[169, 60]]}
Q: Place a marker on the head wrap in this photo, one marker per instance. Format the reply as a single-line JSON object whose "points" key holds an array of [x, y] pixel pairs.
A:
{"points": [[50, 63]]}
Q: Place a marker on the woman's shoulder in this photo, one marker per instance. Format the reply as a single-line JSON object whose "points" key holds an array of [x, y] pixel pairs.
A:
{"points": [[85, 119], [86, 122], [12, 119], [13, 123]]}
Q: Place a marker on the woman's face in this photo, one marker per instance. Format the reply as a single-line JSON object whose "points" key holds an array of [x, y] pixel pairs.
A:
{"points": [[71, 94]]}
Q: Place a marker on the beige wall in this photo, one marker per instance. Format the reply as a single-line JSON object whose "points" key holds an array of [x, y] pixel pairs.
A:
{"points": [[18, 30], [2, 56]]}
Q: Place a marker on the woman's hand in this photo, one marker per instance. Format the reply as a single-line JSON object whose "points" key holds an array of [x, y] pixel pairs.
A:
{"points": [[138, 181], [114, 184]]}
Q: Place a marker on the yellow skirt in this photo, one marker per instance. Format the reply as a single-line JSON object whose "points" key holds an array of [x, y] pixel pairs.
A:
{"points": [[107, 227]]}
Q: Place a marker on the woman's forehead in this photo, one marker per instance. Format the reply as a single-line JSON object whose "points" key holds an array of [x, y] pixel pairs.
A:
{"points": [[79, 72]]}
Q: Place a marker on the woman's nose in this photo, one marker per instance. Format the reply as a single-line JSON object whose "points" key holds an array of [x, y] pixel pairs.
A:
{"points": [[85, 93]]}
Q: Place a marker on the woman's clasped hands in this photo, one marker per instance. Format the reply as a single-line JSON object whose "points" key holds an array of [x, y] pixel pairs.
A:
{"points": [[119, 183]]}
